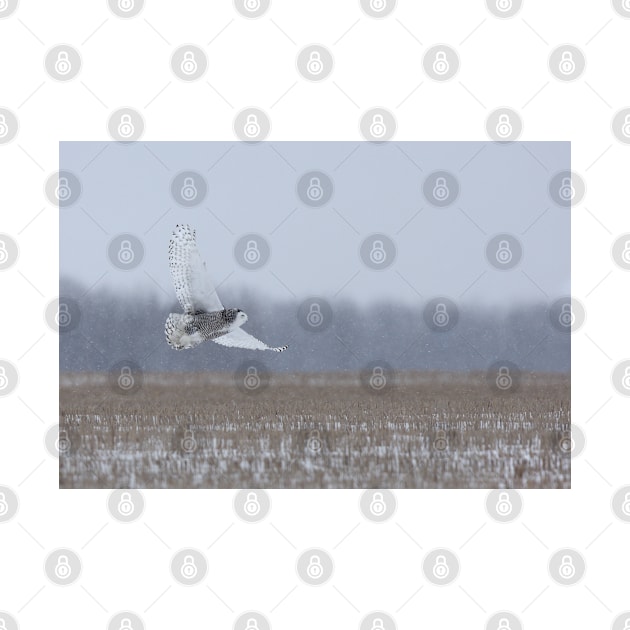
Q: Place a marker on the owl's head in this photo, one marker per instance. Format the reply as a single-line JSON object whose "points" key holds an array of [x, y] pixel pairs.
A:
{"points": [[241, 317]]}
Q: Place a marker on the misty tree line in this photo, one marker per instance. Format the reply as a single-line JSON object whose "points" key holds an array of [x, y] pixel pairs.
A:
{"points": [[110, 327]]}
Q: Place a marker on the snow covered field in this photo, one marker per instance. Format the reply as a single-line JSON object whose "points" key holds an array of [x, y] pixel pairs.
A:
{"points": [[430, 430]]}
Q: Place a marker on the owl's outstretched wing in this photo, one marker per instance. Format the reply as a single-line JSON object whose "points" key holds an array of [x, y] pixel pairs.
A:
{"points": [[238, 338], [193, 286]]}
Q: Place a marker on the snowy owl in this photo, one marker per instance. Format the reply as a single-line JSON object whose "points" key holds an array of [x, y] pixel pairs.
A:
{"points": [[204, 316]]}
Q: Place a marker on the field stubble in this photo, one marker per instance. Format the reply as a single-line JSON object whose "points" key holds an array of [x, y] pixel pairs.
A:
{"points": [[432, 430]]}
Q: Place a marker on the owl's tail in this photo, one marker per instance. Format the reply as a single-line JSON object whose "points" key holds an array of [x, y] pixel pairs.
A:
{"points": [[175, 330]]}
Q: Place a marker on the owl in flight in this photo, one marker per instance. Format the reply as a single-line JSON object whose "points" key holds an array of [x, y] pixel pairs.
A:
{"points": [[204, 316]]}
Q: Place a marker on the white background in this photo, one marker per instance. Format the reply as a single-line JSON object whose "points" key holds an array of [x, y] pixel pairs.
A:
{"points": [[378, 63]]}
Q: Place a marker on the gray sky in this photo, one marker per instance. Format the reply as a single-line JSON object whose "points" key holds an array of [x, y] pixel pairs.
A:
{"points": [[315, 250]]}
